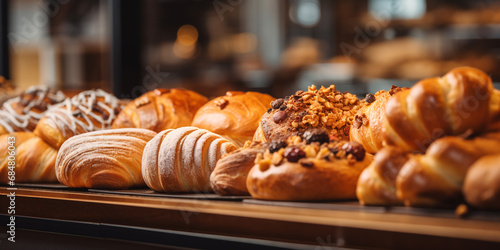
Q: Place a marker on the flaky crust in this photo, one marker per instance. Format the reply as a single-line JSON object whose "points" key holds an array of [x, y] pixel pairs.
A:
{"points": [[438, 107], [377, 183], [181, 160], [161, 109], [109, 159], [35, 159], [482, 183], [235, 116]]}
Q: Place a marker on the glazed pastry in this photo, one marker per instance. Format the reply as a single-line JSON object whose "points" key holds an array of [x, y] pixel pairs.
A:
{"points": [[109, 159], [436, 178], [22, 113], [310, 170], [438, 107], [316, 108], [235, 116], [161, 109], [482, 183], [86, 112], [377, 183], [368, 124], [181, 160], [34, 159], [230, 174]]}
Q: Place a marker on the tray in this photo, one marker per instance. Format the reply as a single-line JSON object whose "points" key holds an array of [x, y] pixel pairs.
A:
{"points": [[152, 193]]}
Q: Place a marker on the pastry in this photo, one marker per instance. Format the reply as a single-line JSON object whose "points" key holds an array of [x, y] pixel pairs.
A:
{"points": [[235, 116], [86, 112], [482, 183], [311, 169], [22, 113], [438, 107], [230, 174], [181, 160], [316, 108], [377, 183], [109, 159], [161, 109], [368, 124], [33, 158]]}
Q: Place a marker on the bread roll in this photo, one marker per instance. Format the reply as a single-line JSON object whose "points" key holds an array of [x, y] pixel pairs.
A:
{"points": [[161, 109], [482, 183], [34, 159], [181, 160], [86, 112], [22, 113], [109, 159], [235, 116]]}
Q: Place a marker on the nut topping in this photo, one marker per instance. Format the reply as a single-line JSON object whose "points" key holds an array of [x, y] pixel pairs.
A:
{"points": [[279, 116]]}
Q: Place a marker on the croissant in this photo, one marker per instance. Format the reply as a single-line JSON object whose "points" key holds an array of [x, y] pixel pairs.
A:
{"points": [[34, 159], [109, 159], [181, 160], [235, 116], [377, 183], [436, 178], [482, 183], [86, 112], [22, 113], [438, 107], [161, 109]]}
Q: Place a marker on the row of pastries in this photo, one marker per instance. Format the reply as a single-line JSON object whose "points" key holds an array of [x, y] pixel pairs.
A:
{"points": [[435, 144]]}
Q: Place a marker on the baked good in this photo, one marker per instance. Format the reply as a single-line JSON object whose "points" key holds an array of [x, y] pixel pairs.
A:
{"points": [[7, 91], [481, 187], [86, 112], [230, 173], [377, 183], [368, 124], [34, 159], [316, 108], [438, 107], [235, 116], [22, 113], [181, 160], [436, 178], [161, 109], [312, 169], [109, 159]]}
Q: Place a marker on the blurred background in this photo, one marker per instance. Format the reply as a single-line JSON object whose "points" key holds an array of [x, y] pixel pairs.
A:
{"points": [[273, 46]]}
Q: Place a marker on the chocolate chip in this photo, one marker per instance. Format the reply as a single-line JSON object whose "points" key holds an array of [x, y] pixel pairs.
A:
{"points": [[304, 162], [279, 116], [277, 145], [316, 135], [294, 154], [269, 110], [358, 121], [370, 98], [221, 103], [283, 107], [276, 104], [347, 128], [355, 149]]}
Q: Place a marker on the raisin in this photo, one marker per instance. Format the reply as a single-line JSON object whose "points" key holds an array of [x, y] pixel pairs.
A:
{"points": [[279, 116], [283, 107], [276, 104], [355, 149], [277, 145], [369, 98], [316, 135], [294, 154]]}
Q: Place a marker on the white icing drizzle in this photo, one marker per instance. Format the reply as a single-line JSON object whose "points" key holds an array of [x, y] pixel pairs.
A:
{"points": [[62, 116], [13, 121]]}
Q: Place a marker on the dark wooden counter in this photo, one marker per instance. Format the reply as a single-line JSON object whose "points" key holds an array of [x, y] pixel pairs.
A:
{"points": [[321, 227]]}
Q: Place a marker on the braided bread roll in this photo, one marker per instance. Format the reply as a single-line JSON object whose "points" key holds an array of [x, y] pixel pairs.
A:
{"points": [[436, 178], [235, 116], [86, 112], [161, 109], [181, 160], [377, 183], [22, 113], [482, 183], [34, 159], [109, 159], [437, 107]]}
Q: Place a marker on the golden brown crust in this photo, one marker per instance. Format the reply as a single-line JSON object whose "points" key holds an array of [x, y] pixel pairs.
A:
{"points": [[161, 109], [377, 183], [109, 159], [235, 116], [437, 107], [482, 183], [35, 159]]}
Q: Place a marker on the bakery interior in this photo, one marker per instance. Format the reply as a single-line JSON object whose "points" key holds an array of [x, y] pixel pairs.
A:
{"points": [[406, 154]]}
